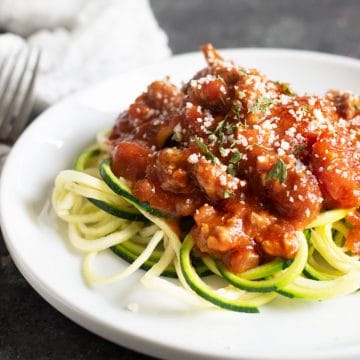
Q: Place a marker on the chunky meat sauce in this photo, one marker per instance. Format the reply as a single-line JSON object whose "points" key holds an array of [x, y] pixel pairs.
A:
{"points": [[249, 160]]}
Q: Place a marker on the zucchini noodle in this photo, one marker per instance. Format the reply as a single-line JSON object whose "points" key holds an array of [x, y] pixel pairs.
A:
{"points": [[102, 214], [93, 278]]}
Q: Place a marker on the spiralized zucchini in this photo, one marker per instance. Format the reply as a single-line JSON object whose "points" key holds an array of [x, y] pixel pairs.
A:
{"points": [[100, 219]]}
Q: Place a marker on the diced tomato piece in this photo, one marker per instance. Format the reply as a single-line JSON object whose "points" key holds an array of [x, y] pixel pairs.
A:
{"points": [[130, 159], [210, 92], [353, 217], [242, 259], [175, 204], [169, 168], [335, 165], [353, 240]]}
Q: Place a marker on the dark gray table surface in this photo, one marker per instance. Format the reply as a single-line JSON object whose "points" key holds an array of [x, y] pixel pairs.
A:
{"points": [[29, 327]]}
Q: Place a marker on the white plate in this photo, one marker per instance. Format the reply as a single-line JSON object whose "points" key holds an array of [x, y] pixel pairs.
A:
{"points": [[163, 326]]}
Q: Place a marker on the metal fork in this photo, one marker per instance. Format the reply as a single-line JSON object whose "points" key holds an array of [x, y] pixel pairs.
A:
{"points": [[18, 73]]}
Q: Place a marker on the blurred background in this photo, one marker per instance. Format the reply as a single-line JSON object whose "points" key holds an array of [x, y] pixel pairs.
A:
{"points": [[323, 25], [71, 34]]}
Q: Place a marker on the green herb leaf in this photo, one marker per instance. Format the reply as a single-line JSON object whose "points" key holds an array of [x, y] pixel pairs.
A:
{"points": [[357, 107], [230, 128], [219, 126], [221, 79], [285, 88], [287, 91], [278, 172], [228, 194], [208, 154], [261, 105], [304, 108], [261, 146], [176, 136], [236, 157], [240, 121], [221, 97], [231, 169], [223, 152], [233, 163], [299, 149], [219, 131], [236, 111], [241, 94]]}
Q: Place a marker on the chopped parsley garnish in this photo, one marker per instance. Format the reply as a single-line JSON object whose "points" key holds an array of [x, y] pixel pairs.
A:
{"points": [[287, 91], [241, 94], [299, 149], [222, 129], [219, 126], [230, 128], [261, 146], [357, 107], [176, 136], [228, 194], [261, 105], [278, 172], [285, 88], [224, 83], [222, 100], [236, 157], [233, 163], [304, 108], [221, 79], [208, 154], [237, 113], [232, 169], [223, 152], [218, 132]]}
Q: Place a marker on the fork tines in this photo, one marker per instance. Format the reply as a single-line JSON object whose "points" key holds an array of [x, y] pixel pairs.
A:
{"points": [[17, 79]]}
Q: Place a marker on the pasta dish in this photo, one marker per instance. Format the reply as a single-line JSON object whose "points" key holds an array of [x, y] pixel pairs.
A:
{"points": [[232, 183]]}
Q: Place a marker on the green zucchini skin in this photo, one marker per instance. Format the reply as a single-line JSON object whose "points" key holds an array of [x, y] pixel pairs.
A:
{"points": [[265, 270], [80, 165], [289, 295], [205, 292], [311, 273], [245, 284], [117, 187], [85, 156], [117, 211], [126, 254], [129, 252], [274, 276], [307, 289]]}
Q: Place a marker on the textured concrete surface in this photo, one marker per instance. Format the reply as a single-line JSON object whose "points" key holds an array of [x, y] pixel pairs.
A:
{"points": [[321, 25], [32, 329]]}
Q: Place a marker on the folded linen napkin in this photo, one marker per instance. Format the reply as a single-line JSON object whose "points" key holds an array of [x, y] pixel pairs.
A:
{"points": [[82, 41]]}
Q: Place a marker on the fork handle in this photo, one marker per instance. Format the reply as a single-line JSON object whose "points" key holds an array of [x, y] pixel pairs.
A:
{"points": [[4, 150]]}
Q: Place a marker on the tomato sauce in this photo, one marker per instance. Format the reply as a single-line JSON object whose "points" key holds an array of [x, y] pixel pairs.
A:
{"points": [[248, 159]]}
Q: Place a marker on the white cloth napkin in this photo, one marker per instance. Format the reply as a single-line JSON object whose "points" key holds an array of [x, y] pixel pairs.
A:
{"points": [[82, 41]]}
